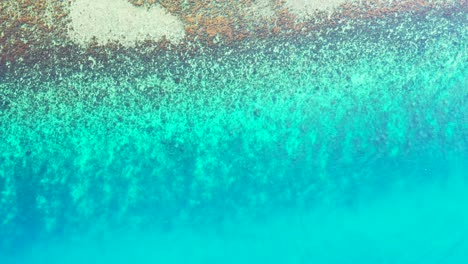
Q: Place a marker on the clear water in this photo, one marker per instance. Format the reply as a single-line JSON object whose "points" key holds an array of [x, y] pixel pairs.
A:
{"points": [[343, 146]]}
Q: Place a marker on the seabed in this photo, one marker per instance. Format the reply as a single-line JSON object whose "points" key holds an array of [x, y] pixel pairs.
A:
{"points": [[342, 141]]}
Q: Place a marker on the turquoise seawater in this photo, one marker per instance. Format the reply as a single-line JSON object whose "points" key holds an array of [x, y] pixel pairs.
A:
{"points": [[346, 145]]}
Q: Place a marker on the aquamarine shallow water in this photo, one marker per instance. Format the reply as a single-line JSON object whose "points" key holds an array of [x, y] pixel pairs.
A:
{"points": [[345, 146]]}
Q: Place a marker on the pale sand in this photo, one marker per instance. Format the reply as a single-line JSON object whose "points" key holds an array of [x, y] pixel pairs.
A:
{"points": [[304, 8], [119, 21], [261, 9]]}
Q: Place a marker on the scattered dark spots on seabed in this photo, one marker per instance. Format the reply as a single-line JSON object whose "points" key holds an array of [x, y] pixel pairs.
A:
{"points": [[4, 104], [175, 151], [3, 71], [257, 113]]}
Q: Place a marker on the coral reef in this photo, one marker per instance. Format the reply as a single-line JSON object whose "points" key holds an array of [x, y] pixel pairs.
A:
{"points": [[269, 123], [243, 113], [30, 27]]}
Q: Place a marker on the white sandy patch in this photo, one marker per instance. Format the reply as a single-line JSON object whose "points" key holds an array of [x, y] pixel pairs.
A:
{"points": [[118, 20], [303, 8], [261, 9]]}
